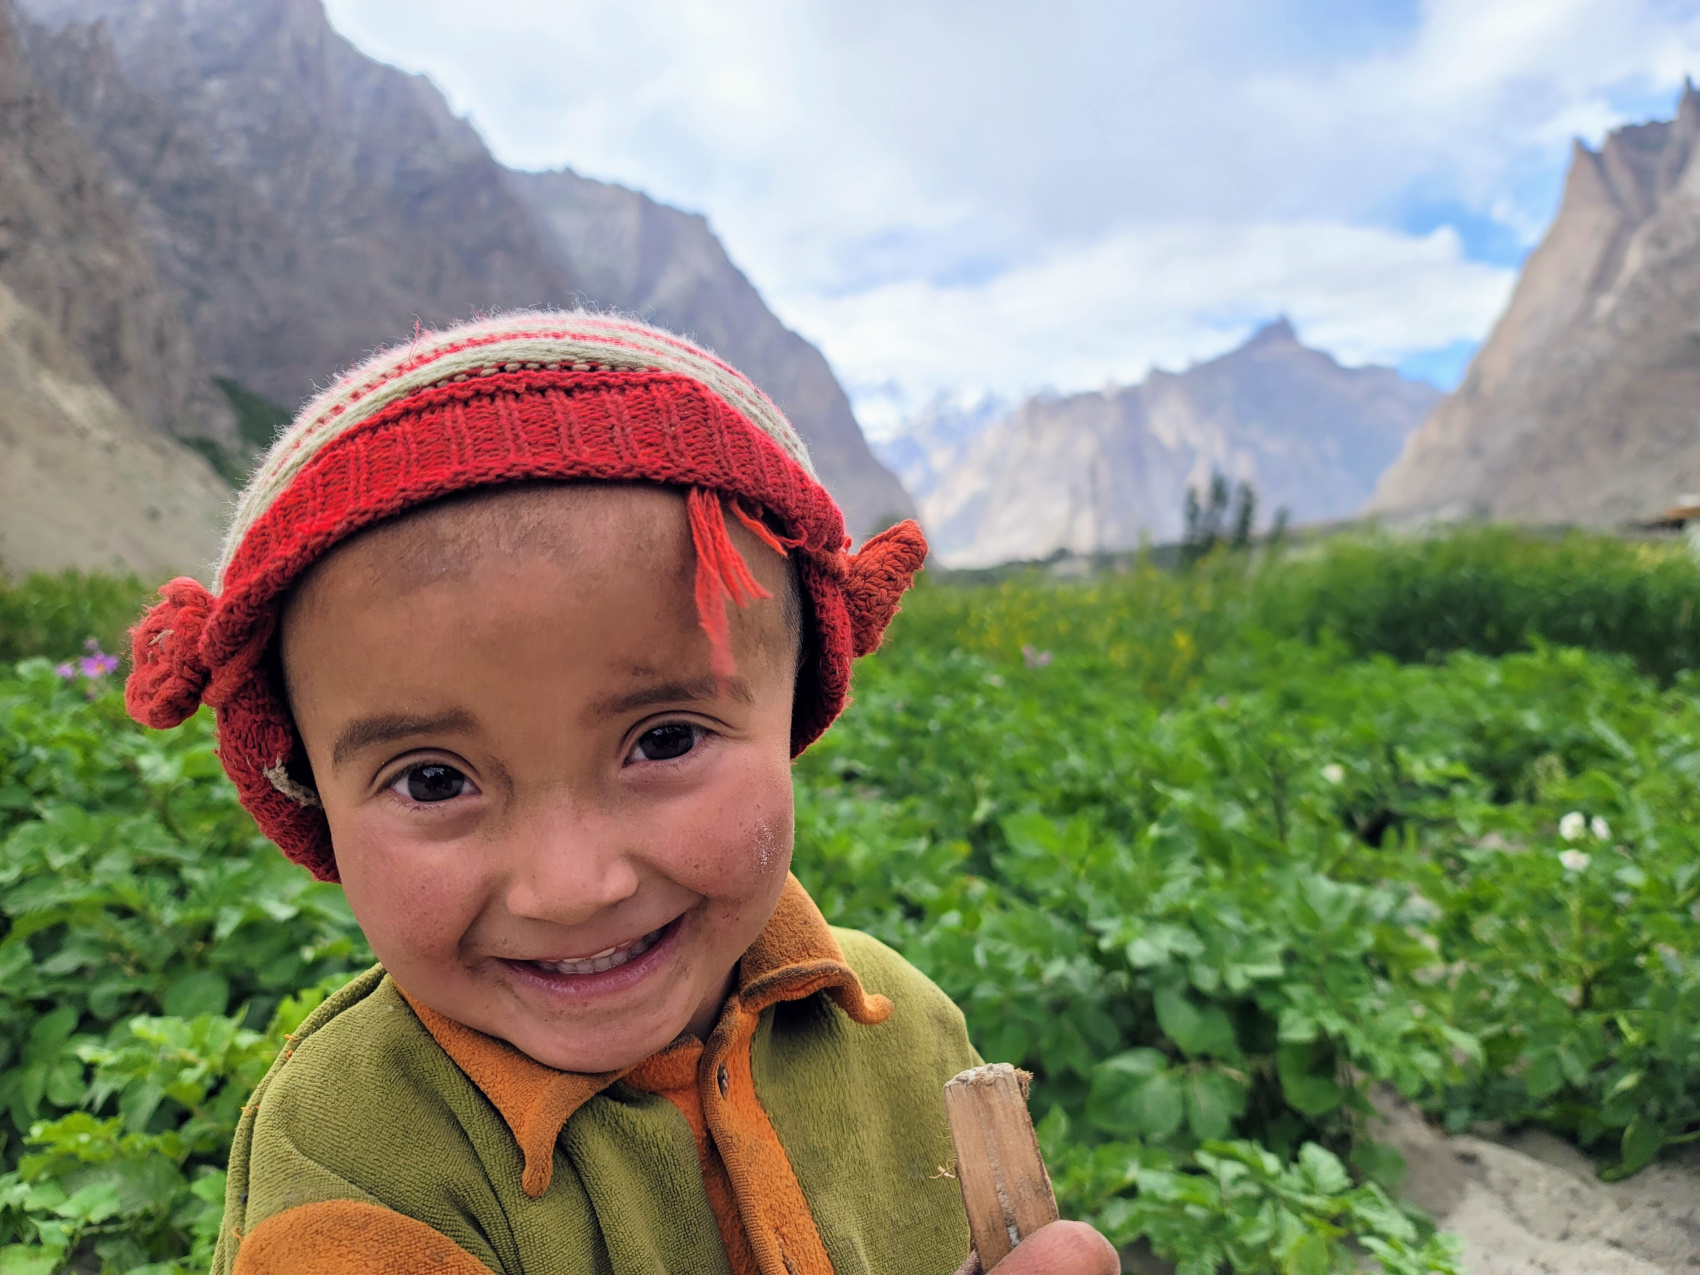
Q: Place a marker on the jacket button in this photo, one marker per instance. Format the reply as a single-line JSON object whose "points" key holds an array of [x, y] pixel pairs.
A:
{"points": [[725, 1081]]}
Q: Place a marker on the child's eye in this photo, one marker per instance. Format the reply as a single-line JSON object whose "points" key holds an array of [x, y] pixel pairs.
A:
{"points": [[433, 781], [663, 743]]}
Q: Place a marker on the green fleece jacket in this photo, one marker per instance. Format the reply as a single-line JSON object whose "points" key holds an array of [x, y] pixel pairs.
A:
{"points": [[806, 1136]]}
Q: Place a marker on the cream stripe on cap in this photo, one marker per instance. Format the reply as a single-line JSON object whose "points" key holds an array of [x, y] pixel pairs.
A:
{"points": [[505, 342]]}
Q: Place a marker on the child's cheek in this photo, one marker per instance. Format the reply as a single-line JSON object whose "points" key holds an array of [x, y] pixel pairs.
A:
{"points": [[734, 844], [414, 906]]}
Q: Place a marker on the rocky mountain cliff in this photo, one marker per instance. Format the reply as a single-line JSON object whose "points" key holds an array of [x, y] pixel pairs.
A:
{"points": [[930, 441], [631, 253], [1584, 404], [1095, 472], [82, 483], [68, 250], [308, 204], [96, 364]]}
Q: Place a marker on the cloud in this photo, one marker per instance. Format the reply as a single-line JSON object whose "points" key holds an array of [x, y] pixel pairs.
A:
{"points": [[979, 197], [1152, 297]]}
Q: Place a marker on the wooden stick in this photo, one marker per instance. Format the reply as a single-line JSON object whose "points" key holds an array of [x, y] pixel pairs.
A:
{"points": [[1004, 1184]]}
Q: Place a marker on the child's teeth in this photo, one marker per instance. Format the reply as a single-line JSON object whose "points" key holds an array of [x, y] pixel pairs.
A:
{"points": [[606, 959]]}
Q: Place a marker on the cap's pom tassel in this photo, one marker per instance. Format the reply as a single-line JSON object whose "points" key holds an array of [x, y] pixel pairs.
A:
{"points": [[722, 576], [166, 674], [875, 578]]}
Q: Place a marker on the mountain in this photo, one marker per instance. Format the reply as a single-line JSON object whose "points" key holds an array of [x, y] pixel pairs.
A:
{"points": [[631, 253], [68, 251], [1584, 404], [82, 483], [307, 204], [930, 442], [1099, 471], [97, 363]]}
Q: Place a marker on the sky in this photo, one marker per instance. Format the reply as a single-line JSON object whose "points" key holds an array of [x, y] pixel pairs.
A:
{"points": [[956, 200]]}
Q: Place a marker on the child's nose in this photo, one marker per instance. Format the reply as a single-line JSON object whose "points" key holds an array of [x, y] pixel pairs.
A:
{"points": [[566, 869]]}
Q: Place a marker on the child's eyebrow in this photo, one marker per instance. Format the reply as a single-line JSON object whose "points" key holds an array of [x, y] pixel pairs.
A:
{"points": [[696, 688], [381, 728]]}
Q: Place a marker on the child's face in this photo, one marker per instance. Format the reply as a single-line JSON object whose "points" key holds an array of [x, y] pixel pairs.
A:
{"points": [[551, 822]]}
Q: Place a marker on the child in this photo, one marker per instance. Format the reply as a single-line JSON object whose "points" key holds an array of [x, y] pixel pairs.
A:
{"points": [[471, 653]]}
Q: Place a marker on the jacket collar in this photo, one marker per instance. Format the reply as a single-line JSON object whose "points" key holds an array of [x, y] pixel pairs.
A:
{"points": [[793, 957]]}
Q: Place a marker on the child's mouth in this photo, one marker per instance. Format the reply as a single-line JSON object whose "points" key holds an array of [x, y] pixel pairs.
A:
{"points": [[602, 962]]}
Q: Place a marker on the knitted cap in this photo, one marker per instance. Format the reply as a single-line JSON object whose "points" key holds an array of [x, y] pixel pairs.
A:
{"points": [[509, 399]]}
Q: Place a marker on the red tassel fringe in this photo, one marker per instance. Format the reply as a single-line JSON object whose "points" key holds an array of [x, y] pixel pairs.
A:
{"points": [[722, 574]]}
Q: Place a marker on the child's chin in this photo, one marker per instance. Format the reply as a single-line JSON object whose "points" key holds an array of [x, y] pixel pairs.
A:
{"points": [[608, 1055]]}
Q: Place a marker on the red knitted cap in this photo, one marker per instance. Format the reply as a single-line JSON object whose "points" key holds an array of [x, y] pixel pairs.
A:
{"points": [[516, 398]]}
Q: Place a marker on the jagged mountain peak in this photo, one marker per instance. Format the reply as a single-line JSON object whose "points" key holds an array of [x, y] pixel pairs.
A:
{"points": [[1100, 470], [1580, 406], [1642, 163], [1279, 331]]}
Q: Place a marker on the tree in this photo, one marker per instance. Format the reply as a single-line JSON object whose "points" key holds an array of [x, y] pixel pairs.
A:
{"points": [[1208, 522]]}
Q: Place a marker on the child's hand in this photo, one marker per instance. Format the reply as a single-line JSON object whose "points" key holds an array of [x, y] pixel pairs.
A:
{"points": [[1062, 1248]]}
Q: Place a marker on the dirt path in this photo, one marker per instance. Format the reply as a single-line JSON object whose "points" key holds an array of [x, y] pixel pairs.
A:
{"points": [[1532, 1205]]}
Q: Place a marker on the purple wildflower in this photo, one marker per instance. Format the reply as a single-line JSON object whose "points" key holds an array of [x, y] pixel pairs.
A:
{"points": [[94, 666]]}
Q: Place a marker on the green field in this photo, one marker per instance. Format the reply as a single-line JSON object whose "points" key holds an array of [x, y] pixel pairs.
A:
{"points": [[1213, 854]]}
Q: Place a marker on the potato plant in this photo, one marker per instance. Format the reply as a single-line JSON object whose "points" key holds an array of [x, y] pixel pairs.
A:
{"points": [[1199, 851]]}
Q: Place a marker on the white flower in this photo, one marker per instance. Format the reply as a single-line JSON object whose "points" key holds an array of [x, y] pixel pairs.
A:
{"points": [[1573, 825], [1574, 860], [1600, 828], [1334, 773]]}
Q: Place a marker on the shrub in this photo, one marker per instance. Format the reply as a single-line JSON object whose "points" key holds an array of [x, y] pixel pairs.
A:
{"points": [[54, 615], [153, 947], [1494, 590]]}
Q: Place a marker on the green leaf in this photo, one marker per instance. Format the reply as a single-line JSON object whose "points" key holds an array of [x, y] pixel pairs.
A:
{"points": [[1155, 1107], [211, 1187], [1212, 1102], [1323, 1170], [1110, 1104], [1543, 1076], [1643, 1138], [1379, 1163], [1032, 833], [95, 1202], [196, 993], [65, 1085], [1312, 1092], [49, 1033], [1309, 1254], [1197, 1030], [21, 1259]]}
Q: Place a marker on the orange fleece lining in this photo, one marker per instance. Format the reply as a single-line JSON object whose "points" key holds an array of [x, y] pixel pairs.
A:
{"points": [[672, 1074], [350, 1237], [777, 1222]]}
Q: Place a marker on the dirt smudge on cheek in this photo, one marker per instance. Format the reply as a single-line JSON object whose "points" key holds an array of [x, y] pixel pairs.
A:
{"points": [[766, 845], [772, 846]]}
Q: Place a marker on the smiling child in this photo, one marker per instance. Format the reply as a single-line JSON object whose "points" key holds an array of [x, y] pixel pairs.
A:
{"points": [[515, 634]]}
